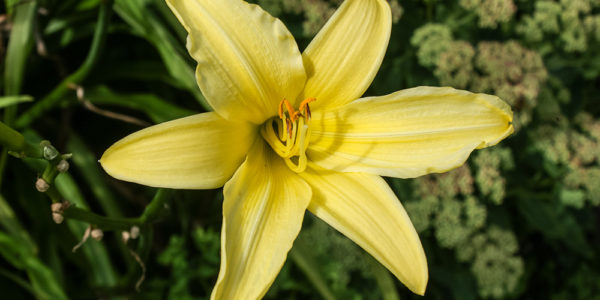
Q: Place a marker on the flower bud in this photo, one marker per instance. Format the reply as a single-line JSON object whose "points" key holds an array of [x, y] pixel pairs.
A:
{"points": [[48, 150], [63, 166], [97, 234], [56, 207], [134, 232], [41, 185], [57, 218], [125, 236]]}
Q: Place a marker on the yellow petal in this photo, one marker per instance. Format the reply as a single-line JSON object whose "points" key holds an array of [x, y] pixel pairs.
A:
{"points": [[262, 215], [364, 208], [196, 152], [344, 57], [408, 133], [247, 60]]}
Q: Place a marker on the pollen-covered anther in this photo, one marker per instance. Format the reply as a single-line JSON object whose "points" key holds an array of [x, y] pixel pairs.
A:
{"points": [[305, 108], [289, 134]]}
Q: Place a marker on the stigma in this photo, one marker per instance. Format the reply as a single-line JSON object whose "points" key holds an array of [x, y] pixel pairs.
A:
{"points": [[289, 134]]}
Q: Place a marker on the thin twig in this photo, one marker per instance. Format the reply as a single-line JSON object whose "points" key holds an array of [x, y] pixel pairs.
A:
{"points": [[103, 112], [86, 236], [138, 284], [40, 46], [57, 94]]}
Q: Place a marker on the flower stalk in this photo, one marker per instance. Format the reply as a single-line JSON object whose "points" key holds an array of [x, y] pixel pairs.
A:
{"points": [[16, 143], [152, 212]]}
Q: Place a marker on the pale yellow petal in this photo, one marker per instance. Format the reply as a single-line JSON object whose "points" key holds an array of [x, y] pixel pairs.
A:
{"points": [[262, 215], [247, 60], [364, 208], [408, 133], [197, 152], [344, 57]]}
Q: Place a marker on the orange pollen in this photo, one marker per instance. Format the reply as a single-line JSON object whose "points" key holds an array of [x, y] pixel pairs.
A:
{"points": [[303, 110], [289, 135]]}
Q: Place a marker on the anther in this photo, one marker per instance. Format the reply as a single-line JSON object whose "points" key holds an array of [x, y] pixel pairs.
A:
{"points": [[291, 110], [290, 135], [280, 109], [305, 102], [289, 127]]}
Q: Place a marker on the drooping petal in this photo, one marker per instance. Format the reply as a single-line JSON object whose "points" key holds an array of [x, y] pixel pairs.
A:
{"points": [[247, 60], [262, 215], [364, 208], [342, 60], [408, 133], [197, 152]]}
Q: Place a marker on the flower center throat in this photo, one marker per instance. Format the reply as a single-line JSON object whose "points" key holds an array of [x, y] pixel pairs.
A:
{"points": [[289, 133]]}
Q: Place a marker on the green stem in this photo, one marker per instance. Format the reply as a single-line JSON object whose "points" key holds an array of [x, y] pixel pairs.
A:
{"points": [[54, 194], [78, 76], [309, 267], [151, 213], [156, 206], [384, 280], [104, 223], [14, 141]]}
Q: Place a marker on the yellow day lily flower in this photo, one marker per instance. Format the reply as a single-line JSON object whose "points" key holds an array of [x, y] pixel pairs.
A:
{"points": [[288, 134]]}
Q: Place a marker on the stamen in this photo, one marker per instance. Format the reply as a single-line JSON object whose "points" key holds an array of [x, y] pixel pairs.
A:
{"points": [[280, 109], [305, 102], [304, 106], [291, 111], [289, 136], [289, 127]]}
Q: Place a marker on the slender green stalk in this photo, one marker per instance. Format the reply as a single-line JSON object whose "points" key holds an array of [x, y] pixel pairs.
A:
{"points": [[52, 99], [104, 223], [14, 141], [308, 266], [151, 213], [384, 280], [156, 206]]}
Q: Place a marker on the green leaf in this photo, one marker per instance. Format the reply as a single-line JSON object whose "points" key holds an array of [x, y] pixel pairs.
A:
{"points": [[58, 93], [22, 257], [12, 225], [87, 164], [10, 6], [137, 70], [19, 45], [7, 101], [157, 109], [150, 26]]}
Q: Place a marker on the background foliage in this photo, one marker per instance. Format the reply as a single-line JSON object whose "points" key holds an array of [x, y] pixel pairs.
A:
{"points": [[519, 220]]}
